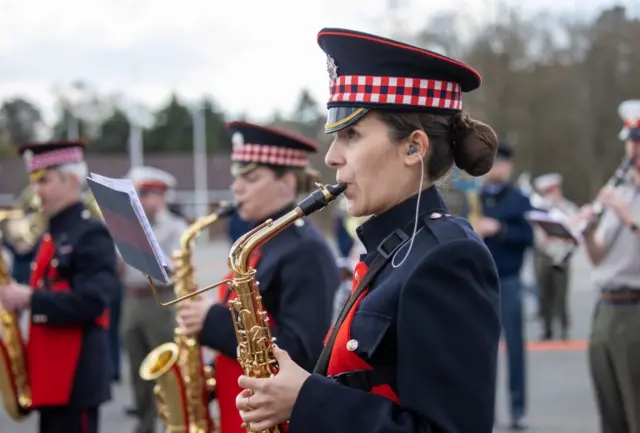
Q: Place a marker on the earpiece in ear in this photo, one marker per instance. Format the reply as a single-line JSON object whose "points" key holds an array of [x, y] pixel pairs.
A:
{"points": [[412, 150]]}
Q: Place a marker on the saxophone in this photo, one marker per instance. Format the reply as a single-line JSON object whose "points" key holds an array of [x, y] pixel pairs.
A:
{"points": [[255, 353], [14, 383], [183, 382]]}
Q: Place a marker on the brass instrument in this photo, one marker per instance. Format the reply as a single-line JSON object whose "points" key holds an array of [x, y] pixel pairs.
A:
{"points": [[255, 354], [14, 384], [619, 176], [183, 382]]}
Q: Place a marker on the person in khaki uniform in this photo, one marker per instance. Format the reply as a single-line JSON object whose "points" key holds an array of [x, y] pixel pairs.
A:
{"points": [[613, 246], [144, 324], [553, 282]]}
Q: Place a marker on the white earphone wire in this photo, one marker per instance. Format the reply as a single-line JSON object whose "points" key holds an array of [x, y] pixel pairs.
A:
{"points": [[415, 223]]}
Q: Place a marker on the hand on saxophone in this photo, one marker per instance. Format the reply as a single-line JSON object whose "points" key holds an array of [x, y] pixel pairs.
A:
{"points": [[15, 296], [265, 403], [192, 314]]}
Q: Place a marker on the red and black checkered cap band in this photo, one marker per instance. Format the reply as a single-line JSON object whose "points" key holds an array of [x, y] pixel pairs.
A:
{"points": [[53, 158], [272, 155], [396, 90]]}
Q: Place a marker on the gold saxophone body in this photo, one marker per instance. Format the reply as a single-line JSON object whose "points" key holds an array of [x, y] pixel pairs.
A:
{"points": [[255, 352], [183, 381], [14, 382]]}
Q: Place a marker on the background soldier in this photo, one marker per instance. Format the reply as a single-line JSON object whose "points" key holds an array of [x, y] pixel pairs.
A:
{"points": [[553, 282], [144, 325], [613, 246], [73, 276], [508, 235]]}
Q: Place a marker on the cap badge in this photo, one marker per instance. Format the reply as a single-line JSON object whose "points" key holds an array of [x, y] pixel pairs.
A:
{"points": [[237, 140], [332, 69]]}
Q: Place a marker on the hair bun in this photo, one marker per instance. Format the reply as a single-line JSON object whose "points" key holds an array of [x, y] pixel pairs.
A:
{"points": [[474, 144]]}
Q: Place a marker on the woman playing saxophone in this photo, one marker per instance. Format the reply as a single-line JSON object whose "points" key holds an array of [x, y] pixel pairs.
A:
{"points": [[296, 270], [414, 349]]}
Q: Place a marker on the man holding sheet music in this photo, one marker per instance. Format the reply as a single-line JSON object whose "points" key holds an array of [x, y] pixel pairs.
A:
{"points": [[144, 325], [613, 247], [72, 279], [553, 283]]}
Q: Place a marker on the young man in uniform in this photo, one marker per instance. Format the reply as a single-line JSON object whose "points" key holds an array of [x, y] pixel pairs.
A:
{"points": [[296, 269], [553, 281], [73, 277], [144, 325], [613, 247], [508, 235]]}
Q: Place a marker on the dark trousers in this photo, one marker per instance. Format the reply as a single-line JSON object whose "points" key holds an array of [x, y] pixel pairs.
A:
{"points": [[511, 291], [614, 357], [68, 420], [553, 285], [114, 334]]}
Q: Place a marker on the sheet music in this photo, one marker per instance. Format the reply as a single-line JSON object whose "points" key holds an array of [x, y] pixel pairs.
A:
{"points": [[126, 186], [554, 224]]}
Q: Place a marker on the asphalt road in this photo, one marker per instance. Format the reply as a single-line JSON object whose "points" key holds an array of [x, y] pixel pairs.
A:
{"points": [[560, 398]]}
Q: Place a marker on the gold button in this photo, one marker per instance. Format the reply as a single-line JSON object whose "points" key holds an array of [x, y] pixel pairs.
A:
{"points": [[357, 276], [352, 345], [54, 263]]}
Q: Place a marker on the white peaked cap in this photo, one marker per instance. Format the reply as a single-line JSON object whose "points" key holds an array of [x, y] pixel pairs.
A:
{"points": [[151, 176], [547, 180], [629, 112]]}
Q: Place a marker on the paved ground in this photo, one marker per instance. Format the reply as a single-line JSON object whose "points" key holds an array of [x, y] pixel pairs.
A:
{"points": [[560, 396]]}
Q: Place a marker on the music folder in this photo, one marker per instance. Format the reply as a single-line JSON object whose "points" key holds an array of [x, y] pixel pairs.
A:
{"points": [[552, 225], [129, 227]]}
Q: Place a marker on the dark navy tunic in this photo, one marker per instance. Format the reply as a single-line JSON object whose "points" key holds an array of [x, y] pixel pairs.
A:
{"points": [[433, 323], [298, 278], [86, 258]]}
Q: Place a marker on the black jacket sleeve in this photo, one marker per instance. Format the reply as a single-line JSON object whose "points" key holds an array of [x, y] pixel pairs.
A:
{"points": [[448, 329], [92, 275], [305, 284], [308, 282], [515, 229]]}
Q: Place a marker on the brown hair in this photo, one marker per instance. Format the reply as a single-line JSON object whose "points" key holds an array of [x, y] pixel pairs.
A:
{"points": [[306, 178], [458, 138]]}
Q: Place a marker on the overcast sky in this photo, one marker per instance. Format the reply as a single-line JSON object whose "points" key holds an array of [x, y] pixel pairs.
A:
{"points": [[250, 55]]}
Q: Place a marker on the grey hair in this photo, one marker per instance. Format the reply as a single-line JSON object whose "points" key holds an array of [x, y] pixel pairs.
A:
{"points": [[77, 169]]}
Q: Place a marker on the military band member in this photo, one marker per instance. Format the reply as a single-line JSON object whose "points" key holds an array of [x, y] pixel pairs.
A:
{"points": [[400, 360], [613, 247], [144, 325], [73, 276], [553, 281], [508, 235], [296, 269]]}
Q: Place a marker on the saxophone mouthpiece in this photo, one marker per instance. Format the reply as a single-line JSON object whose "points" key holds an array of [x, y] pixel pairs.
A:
{"points": [[336, 189], [225, 209], [321, 197]]}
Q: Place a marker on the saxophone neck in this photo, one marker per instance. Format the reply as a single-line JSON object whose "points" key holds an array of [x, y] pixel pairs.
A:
{"points": [[224, 210], [243, 248]]}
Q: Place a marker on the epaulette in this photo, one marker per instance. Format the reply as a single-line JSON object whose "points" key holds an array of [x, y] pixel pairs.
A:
{"points": [[443, 228]]}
